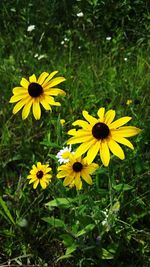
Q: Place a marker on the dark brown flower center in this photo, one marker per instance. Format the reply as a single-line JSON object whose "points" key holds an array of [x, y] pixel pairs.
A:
{"points": [[100, 130], [35, 89], [77, 166], [39, 174]]}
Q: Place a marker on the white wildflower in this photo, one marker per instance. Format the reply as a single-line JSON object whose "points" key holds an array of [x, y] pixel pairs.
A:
{"points": [[31, 28], [63, 154], [80, 14], [108, 38]]}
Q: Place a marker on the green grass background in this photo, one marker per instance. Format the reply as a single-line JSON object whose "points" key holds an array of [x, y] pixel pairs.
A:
{"points": [[69, 230]]}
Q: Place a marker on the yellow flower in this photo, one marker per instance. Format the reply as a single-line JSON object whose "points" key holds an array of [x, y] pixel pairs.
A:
{"points": [[129, 101], [102, 135], [35, 92], [39, 174], [62, 122], [74, 169]]}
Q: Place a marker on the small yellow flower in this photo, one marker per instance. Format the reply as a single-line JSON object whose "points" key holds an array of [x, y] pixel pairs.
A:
{"points": [[129, 101], [34, 92], [39, 174], [62, 122], [74, 169], [102, 135]]}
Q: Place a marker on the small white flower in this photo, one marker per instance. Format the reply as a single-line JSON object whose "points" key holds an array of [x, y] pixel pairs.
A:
{"points": [[80, 14], [31, 28], [62, 42], [63, 154], [108, 38], [66, 39], [125, 59]]}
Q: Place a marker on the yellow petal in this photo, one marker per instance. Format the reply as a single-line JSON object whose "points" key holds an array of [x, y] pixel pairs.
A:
{"points": [[92, 152], [50, 76], [20, 104], [68, 180], [119, 122], [19, 90], [42, 77], [123, 141], [24, 83], [51, 101], [39, 165], [54, 82], [32, 180], [16, 98], [32, 79], [89, 118], [61, 174], [127, 131], [92, 168], [36, 110], [83, 148], [109, 116], [83, 124], [79, 139], [77, 181], [104, 153], [85, 175], [35, 184], [101, 113], [45, 104], [72, 132], [83, 132], [43, 184], [48, 169], [54, 91], [116, 149], [26, 109]]}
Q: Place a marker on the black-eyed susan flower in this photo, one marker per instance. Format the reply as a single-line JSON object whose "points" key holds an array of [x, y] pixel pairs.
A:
{"points": [[40, 175], [75, 169], [34, 92], [102, 135]]}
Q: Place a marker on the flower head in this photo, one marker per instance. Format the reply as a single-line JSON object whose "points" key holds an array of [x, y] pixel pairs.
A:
{"points": [[108, 38], [40, 174], [74, 169], [129, 101], [62, 122], [63, 154], [102, 135], [34, 92], [80, 14], [30, 28]]}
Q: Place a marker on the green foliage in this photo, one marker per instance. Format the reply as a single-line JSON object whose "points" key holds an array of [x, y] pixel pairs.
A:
{"points": [[106, 224]]}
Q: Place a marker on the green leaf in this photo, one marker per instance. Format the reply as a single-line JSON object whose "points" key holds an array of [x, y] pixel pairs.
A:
{"points": [[107, 255], [71, 249], [67, 239], [88, 228], [60, 202], [64, 257], [122, 187], [54, 222], [6, 210]]}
